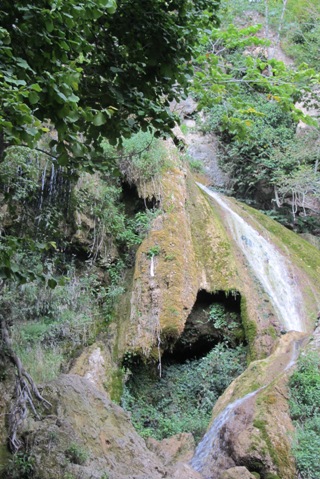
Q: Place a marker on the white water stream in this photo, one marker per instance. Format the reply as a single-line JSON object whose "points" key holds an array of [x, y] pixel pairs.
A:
{"points": [[275, 273], [152, 266], [271, 268], [209, 449]]}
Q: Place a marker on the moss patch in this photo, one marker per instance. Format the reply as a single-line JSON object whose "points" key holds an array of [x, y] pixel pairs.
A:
{"points": [[116, 385], [212, 246], [250, 329]]}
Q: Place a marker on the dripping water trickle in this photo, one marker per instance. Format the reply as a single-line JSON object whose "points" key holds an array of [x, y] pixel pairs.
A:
{"points": [[43, 182]]}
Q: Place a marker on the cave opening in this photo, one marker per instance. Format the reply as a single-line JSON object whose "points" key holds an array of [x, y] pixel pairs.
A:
{"points": [[196, 369], [215, 318], [133, 204]]}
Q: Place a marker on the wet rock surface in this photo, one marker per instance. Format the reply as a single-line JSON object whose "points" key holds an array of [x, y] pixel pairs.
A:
{"points": [[255, 430]]}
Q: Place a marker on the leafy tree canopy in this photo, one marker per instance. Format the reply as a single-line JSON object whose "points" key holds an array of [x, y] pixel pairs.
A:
{"points": [[233, 62], [91, 69]]}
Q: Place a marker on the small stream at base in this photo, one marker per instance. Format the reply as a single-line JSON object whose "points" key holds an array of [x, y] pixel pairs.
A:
{"points": [[210, 449]]}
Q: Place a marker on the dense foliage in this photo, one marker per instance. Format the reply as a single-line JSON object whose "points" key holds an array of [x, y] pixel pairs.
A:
{"points": [[91, 70], [65, 244], [305, 411], [249, 99], [292, 23], [250, 161], [183, 398]]}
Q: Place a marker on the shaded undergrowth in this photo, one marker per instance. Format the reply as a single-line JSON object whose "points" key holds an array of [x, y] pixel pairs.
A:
{"points": [[183, 398]]}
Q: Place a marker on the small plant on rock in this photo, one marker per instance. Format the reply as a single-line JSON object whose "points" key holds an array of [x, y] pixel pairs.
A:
{"points": [[154, 251], [76, 454], [20, 466]]}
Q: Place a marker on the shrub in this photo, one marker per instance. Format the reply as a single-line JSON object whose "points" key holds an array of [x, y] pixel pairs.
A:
{"points": [[76, 454], [182, 399], [21, 466], [143, 157], [305, 410]]}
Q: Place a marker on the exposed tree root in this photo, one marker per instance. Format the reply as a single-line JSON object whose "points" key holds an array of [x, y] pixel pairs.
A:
{"points": [[25, 392]]}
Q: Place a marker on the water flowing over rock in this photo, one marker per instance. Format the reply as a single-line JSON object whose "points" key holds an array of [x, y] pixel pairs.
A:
{"points": [[212, 449], [273, 270], [230, 438], [203, 244]]}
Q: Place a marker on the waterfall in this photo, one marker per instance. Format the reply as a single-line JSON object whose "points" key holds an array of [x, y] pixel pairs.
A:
{"points": [[210, 447], [210, 456], [275, 273], [271, 268]]}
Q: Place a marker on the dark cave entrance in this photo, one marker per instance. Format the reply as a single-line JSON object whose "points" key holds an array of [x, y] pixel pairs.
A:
{"points": [[133, 204], [196, 369], [215, 318]]}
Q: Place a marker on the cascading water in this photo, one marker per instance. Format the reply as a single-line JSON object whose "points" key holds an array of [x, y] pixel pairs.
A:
{"points": [[270, 267], [210, 456], [210, 448], [275, 274]]}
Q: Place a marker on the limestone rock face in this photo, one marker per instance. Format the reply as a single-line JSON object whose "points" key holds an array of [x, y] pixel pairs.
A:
{"points": [[175, 454], [93, 364], [184, 471], [237, 473], [178, 448], [187, 250], [87, 435]]}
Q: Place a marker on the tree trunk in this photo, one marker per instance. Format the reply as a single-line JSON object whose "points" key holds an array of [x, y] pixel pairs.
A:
{"points": [[25, 391], [284, 6]]}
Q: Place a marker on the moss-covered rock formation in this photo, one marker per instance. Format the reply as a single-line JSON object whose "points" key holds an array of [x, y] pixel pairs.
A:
{"points": [[190, 249]]}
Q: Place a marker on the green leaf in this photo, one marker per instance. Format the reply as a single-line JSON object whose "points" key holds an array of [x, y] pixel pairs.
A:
{"points": [[52, 283], [22, 63], [33, 97], [36, 87], [64, 46], [14, 81], [99, 119], [73, 98], [49, 26], [61, 95]]}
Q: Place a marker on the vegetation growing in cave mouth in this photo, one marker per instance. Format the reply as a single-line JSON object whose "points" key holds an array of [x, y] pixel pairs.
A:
{"points": [[181, 400]]}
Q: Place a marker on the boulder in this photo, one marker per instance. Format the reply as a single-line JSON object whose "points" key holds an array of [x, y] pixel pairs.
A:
{"points": [[178, 448], [86, 435], [237, 473]]}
